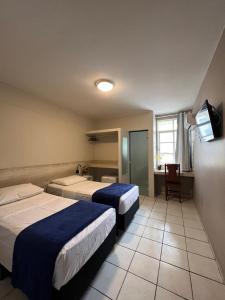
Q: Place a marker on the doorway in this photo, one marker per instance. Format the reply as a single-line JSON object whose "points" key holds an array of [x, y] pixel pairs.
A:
{"points": [[138, 145]]}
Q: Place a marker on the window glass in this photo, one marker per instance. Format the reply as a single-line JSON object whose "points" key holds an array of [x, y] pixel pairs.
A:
{"points": [[166, 148], [167, 159], [164, 125], [166, 137]]}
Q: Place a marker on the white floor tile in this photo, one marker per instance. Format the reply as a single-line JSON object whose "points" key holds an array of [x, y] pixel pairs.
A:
{"points": [[159, 210], [153, 234], [135, 228], [175, 280], [121, 257], [175, 256], [188, 216], [147, 205], [174, 228], [140, 220], [174, 240], [193, 224], [145, 212], [162, 294], [158, 216], [206, 289], [174, 212], [174, 219], [149, 199], [156, 223], [145, 267], [174, 202], [150, 248], [136, 288], [16, 294], [92, 294], [196, 234], [204, 266], [160, 204], [161, 199], [109, 280], [5, 287], [129, 240], [198, 247], [189, 209]]}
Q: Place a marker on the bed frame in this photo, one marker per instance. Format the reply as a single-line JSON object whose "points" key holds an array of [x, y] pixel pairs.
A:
{"points": [[76, 287], [124, 220]]}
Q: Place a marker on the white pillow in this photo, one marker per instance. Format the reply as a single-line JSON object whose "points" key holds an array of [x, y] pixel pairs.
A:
{"points": [[18, 192], [69, 180]]}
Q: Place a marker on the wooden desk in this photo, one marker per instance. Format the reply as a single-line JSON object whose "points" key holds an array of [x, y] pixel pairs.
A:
{"points": [[183, 174], [187, 183]]}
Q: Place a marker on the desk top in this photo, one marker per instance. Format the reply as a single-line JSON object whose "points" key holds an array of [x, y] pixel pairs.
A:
{"points": [[184, 174]]}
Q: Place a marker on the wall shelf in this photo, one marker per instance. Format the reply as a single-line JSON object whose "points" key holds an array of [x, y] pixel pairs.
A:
{"points": [[110, 151], [103, 164]]}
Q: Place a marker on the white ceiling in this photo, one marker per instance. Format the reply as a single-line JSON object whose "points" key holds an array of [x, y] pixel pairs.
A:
{"points": [[156, 51]]}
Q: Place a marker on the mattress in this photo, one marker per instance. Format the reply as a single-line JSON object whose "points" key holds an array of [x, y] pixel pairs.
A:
{"points": [[14, 217], [85, 189]]}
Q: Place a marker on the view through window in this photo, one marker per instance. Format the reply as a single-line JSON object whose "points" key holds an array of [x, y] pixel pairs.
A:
{"points": [[166, 137]]}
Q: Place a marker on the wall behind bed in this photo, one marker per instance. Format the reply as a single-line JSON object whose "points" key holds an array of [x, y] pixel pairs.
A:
{"points": [[35, 132]]}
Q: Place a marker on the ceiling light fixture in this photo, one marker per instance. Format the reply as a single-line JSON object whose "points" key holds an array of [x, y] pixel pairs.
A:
{"points": [[104, 85]]}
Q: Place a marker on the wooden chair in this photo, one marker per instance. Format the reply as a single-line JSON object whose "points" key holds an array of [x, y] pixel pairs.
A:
{"points": [[172, 180]]}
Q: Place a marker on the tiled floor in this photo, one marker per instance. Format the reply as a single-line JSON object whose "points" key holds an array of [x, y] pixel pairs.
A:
{"points": [[163, 255]]}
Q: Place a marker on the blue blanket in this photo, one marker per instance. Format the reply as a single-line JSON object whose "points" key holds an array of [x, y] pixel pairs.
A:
{"points": [[111, 194], [37, 247]]}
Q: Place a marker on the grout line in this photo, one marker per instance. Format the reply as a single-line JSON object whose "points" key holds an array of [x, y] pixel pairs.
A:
{"points": [[192, 292], [100, 293], [172, 292], [166, 262], [191, 272], [160, 260], [128, 269], [129, 265], [157, 280]]}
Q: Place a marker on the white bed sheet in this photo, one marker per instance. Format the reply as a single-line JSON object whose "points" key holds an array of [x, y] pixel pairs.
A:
{"points": [[14, 217], [84, 191]]}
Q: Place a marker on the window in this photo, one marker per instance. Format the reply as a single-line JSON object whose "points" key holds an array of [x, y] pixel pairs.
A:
{"points": [[166, 137]]}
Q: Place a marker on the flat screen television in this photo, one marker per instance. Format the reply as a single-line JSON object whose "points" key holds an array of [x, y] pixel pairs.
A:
{"points": [[208, 122]]}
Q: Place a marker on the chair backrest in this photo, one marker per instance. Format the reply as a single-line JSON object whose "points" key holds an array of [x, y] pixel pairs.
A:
{"points": [[172, 172]]}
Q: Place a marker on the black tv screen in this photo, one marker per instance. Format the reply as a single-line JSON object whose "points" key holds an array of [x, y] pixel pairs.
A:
{"points": [[207, 123]]}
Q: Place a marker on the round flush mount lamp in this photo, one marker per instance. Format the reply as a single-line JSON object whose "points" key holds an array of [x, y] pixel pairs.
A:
{"points": [[104, 85]]}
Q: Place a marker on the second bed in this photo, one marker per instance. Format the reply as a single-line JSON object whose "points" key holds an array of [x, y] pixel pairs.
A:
{"points": [[77, 187]]}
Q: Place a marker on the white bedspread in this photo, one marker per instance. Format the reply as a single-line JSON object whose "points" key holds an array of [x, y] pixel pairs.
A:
{"points": [[16, 216], [84, 191]]}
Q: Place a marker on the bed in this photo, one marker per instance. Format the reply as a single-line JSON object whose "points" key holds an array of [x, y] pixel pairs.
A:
{"points": [[78, 260], [77, 187]]}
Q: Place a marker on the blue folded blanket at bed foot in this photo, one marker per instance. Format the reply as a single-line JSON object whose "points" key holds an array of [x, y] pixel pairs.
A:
{"points": [[111, 194], [37, 247]]}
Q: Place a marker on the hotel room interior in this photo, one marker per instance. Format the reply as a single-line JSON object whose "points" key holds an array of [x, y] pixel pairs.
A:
{"points": [[112, 150]]}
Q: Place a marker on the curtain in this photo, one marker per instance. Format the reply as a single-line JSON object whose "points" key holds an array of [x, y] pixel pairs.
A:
{"points": [[183, 153]]}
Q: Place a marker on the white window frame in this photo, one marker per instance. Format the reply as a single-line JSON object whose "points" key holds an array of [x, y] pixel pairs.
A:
{"points": [[174, 131]]}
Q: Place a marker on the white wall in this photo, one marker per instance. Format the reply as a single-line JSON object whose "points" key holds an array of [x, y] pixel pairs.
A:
{"points": [[209, 158], [105, 151], [141, 121], [35, 132]]}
